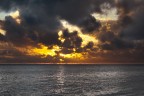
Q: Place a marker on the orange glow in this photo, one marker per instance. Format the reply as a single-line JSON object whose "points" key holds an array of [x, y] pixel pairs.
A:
{"points": [[85, 37], [55, 51], [60, 34], [106, 26], [3, 32], [42, 51], [73, 56]]}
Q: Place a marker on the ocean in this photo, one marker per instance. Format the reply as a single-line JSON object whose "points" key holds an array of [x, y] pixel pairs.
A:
{"points": [[72, 80]]}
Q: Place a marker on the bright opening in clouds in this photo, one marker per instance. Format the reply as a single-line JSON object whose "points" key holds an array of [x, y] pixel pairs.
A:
{"points": [[108, 14]]}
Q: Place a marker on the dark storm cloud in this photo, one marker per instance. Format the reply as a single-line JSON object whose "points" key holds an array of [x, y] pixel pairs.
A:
{"points": [[43, 17], [50, 39], [72, 40], [15, 32], [89, 24], [130, 25], [89, 45], [2, 37], [75, 11], [8, 5], [73, 43], [111, 41], [131, 19]]}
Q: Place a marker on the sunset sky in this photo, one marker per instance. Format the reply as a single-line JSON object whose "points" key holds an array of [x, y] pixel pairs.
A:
{"points": [[72, 31]]}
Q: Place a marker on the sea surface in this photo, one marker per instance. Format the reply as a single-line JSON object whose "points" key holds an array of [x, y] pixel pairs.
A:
{"points": [[71, 80]]}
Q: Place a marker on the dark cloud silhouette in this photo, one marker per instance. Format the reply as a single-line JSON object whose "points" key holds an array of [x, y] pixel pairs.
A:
{"points": [[131, 19], [90, 24], [14, 32], [2, 37], [111, 41], [73, 43], [72, 40], [89, 45], [43, 17], [50, 39]]}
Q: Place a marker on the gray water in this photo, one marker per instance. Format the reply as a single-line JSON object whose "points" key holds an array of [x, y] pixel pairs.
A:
{"points": [[71, 80]]}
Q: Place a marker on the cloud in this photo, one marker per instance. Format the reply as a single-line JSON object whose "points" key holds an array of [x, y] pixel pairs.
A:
{"points": [[2, 37], [131, 19], [90, 24], [111, 41], [40, 22], [72, 39], [43, 18]]}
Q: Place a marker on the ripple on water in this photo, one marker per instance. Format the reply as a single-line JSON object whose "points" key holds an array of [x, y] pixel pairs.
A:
{"points": [[71, 80]]}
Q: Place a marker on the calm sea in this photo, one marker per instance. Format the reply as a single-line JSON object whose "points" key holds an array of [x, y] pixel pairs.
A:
{"points": [[71, 80]]}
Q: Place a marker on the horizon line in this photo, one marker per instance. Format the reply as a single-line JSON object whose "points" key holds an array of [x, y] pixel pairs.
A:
{"points": [[69, 63]]}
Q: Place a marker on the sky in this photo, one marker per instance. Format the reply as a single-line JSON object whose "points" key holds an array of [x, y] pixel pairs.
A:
{"points": [[72, 31]]}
